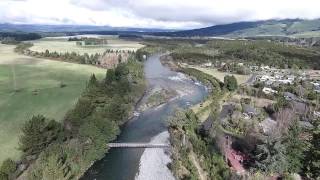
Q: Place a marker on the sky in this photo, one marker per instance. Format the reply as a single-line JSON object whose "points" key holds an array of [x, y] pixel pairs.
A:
{"points": [[166, 14]]}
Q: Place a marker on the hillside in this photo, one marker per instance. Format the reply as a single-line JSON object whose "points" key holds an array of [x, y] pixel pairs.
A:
{"points": [[287, 27]]}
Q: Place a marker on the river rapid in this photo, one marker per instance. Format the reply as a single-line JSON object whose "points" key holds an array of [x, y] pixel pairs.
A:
{"points": [[148, 126]]}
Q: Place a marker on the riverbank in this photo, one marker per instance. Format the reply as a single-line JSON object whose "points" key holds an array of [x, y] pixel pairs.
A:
{"points": [[94, 121], [185, 137], [148, 126]]}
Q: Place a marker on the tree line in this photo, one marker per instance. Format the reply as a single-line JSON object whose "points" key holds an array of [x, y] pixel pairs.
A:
{"points": [[65, 150]]}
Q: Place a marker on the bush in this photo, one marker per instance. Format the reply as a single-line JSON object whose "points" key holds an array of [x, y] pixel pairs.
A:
{"points": [[230, 82], [38, 133], [312, 95], [3, 176], [8, 167]]}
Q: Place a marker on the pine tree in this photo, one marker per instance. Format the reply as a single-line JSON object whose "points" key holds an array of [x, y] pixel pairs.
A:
{"points": [[93, 82], [110, 76], [312, 164], [295, 148], [230, 82]]}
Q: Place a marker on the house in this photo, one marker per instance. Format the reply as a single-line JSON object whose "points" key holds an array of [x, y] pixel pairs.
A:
{"points": [[316, 113], [289, 96], [209, 64], [269, 90], [286, 81], [264, 78], [317, 89]]}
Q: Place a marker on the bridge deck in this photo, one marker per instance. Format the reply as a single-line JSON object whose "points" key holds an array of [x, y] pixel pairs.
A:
{"points": [[137, 145]]}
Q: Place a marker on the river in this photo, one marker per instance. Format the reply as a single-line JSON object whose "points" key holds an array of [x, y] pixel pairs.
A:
{"points": [[149, 126]]}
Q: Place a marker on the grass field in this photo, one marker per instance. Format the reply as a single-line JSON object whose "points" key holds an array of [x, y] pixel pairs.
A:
{"points": [[62, 45], [220, 75], [38, 82]]}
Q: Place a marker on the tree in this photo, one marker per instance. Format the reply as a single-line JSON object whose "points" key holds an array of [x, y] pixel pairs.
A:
{"points": [[270, 156], [110, 76], [312, 163], [37, 133], [121, 71], [3, 176], [230, 82], [312, 95], [119, 58], [7, 168], [93, 82], [295, 148]]}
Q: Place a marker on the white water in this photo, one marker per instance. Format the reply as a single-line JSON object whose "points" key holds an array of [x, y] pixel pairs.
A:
{"points": [[153, 162], [178, 77]]}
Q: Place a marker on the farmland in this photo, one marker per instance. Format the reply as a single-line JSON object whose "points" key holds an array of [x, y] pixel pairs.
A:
{"points": [[30, 86], [62, 45], [220, 75]]}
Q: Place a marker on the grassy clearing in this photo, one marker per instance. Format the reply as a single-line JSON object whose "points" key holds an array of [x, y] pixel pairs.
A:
{"points": [[38, 82], [220, 75], [62, 45], [258, 102]]}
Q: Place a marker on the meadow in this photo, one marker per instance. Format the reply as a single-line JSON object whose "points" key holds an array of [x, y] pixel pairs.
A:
{"points": [[220, 75], [31, 86], [62, 45]]}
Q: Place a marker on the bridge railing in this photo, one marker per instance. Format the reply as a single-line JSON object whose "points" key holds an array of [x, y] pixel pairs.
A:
{"points": [[137, 145]]}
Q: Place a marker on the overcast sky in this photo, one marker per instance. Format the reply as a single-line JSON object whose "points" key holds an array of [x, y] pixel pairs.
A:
{"points": [[178, 14]]}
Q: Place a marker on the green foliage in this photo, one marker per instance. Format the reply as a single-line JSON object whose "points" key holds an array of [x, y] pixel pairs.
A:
{"points": [[93, 82], [230, 82], [37, 134], [7, 168], [93, 122], [3, 176], [312, 95], [268, 53], [295, 148], [312, 161], [21, 47], [186, 124], [270, 156], [110, 76], [281, 103]]}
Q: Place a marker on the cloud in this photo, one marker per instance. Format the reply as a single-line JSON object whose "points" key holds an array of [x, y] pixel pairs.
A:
{"points": [[154, 13]]}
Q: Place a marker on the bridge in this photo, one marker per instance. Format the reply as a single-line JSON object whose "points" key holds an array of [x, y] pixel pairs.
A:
{"points": [[137, 145]]}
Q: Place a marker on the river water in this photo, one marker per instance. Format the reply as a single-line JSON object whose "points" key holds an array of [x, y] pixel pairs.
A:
{"points": [[149, 126]]}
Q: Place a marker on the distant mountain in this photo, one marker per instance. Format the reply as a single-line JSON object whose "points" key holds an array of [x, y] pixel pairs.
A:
{"points": [[70, 28], [287, 27]]}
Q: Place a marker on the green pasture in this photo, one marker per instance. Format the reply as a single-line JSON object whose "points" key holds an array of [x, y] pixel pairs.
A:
{"points": [[30, 86], [62, 45]]}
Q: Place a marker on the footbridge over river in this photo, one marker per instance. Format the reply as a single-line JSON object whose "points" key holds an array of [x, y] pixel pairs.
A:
{"points": [[137, 145]]}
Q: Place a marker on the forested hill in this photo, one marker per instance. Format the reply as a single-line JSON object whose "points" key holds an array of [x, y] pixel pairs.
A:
{"points": [[287, 27]]}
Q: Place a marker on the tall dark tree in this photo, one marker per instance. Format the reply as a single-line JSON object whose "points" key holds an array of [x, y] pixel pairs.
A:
{"points": [[312, 164], [230, 82], [37, 133], [110, 76], [93, 82], [295, 148], [7, 168]]}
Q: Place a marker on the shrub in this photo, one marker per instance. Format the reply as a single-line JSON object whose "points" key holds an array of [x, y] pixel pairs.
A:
{"points": [[8, 167]]}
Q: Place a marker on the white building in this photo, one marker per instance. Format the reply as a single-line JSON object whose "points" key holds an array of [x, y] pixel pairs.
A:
{"points": [[269, 90]]}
